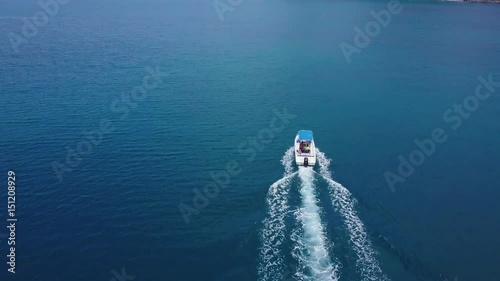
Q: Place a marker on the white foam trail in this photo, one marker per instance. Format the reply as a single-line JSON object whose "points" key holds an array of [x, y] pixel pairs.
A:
{"points": [[313, 250], [273, 233], [344, 202]]}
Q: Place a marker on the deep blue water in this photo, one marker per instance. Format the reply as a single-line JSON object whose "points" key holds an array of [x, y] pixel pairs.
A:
{"points": [[119, 205]]}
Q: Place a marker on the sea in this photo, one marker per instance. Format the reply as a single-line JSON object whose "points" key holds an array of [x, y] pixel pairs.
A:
{"points": [[153, 140]]}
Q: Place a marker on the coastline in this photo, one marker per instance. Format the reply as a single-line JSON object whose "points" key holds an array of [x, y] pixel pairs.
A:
{"points": [[474, 1]]}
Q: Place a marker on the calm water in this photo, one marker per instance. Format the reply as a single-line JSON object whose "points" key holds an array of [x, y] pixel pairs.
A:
{"points": [[118, 207]]}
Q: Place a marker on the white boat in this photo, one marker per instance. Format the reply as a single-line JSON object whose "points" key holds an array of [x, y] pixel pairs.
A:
{"points": [[305, 149]]}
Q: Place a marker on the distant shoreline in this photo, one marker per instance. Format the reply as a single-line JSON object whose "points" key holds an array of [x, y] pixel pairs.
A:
{"points": [[474, 1]]}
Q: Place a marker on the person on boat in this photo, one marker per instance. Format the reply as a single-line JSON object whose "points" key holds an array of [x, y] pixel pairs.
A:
{"points": [[307, 148]]}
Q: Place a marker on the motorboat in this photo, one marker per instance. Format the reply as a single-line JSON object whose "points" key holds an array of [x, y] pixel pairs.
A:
{"points": [[305, 149]]}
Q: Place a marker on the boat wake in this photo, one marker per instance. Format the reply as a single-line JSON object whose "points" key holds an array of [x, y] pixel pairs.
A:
{"points": [[344, 202], [310, 243], [312, 247], [273, 233]]}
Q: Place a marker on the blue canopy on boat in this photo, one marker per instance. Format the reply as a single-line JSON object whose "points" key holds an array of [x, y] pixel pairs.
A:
{"points": [[305, 135]]}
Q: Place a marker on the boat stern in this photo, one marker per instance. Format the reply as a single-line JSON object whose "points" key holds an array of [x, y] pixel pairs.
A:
{"points": [[305, 160]]}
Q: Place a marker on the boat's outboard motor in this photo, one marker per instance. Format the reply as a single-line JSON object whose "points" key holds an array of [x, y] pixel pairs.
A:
{"points": [[306, 162]]}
